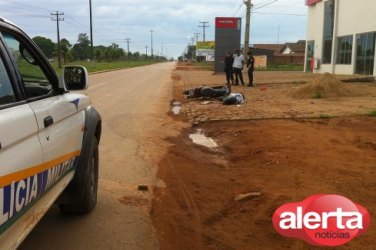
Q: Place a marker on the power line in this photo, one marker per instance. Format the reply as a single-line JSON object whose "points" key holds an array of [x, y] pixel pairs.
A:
{"points": [[22, 6], [203, 26], [232, 3], [265, 4], [72, 23], [241, 5], [80, 27], [213, 10], [197, 35], [280, 14], [226, 7], [29, 15], [286, 4]]}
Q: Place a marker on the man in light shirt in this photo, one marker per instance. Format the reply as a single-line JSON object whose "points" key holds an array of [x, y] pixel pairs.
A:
{"points": [[238, 67]]}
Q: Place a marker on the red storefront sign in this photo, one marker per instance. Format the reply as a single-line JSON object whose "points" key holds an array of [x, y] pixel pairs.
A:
{"points": [[226, 22], [312, 2]]}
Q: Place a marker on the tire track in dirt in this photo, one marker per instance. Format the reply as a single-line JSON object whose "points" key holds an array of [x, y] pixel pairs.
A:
{"points": [[188, 200]]}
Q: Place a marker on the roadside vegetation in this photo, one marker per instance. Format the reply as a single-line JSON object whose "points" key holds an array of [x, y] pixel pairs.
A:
{"points": [[271, 67], [325, 116], [199, 61], [93, 67], [104, 57], [282, 67], [204, 65], [372, 113]]}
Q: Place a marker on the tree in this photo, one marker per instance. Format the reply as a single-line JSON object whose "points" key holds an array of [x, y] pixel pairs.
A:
{"points": [[115, 53], [136, 55], [46, 45], [191, 50], [81, 50], [65, 47], [110, 53], [99, 52]]}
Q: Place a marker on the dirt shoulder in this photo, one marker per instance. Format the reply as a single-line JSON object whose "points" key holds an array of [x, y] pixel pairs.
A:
{"points": [[272, 97], [270, 145]]}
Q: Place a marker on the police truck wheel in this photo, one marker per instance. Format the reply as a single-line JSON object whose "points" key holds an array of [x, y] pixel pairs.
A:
{"points": [[88, 186]]}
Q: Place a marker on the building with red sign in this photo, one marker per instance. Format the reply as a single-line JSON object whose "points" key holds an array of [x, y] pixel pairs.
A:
{"points": [[341, 37], [227, 38]]}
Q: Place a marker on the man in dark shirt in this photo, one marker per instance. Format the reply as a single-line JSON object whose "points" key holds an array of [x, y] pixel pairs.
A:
{"points": [[229, 60], [250, 67]]}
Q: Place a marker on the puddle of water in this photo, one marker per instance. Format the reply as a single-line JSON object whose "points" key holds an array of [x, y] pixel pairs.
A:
{"points": [[201, 139], [176, 108]]}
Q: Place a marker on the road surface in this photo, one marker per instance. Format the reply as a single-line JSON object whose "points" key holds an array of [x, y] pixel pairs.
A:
{"points": [[134, 105]]}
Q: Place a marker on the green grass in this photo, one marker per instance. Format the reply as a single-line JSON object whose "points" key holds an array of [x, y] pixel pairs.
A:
{"points": [[93, 67], [270, 67], [325, 116], [372, 113], [204, 65], [317, 95], [298, 82], [281, 67], [30, 72]]}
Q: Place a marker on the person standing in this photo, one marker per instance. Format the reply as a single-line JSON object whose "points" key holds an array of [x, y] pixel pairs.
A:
{"points": [[250, 67], [229, 61], [238, 67]]}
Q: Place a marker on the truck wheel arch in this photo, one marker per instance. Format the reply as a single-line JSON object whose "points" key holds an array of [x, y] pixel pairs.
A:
{"points": [[74, 195]]}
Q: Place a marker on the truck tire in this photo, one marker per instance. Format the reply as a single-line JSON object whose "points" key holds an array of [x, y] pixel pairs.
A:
{"points": [[88, 185]]}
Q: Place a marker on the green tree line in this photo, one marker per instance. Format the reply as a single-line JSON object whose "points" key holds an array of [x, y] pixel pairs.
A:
{"points": [[81, 51]]}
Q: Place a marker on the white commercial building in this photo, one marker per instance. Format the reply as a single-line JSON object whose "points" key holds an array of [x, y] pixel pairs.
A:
{"points": [[341, 36]]}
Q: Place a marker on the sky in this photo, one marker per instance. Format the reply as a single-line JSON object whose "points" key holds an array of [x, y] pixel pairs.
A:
{"points": [[173, 22]]}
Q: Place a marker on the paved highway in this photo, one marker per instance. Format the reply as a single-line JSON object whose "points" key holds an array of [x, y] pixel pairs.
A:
{"points": [[134, 105]]}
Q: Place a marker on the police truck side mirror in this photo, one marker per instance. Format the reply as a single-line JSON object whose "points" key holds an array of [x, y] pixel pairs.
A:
{"points": [[74, 78]]}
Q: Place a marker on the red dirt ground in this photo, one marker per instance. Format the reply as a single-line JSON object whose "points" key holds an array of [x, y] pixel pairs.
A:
{"points": [[286, 160]]}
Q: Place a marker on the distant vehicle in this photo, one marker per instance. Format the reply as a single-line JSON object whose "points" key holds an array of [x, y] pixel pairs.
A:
{"points": [[49, 138]]}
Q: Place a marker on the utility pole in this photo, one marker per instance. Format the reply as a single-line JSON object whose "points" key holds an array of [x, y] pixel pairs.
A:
{"points": [[91, 33], [248, 4], [58, 19], [192, 41], [151, 43], [146, 47], [197, 35], [127, 40], [203, 26]]}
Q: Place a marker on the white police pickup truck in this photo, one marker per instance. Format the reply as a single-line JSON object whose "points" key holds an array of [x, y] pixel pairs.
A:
{"points": [[48, 138]]}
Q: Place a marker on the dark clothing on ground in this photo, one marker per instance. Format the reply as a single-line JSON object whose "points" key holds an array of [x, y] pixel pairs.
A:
{"points": [[250, 66], [234, 98], [218, 92], [208, 92]]}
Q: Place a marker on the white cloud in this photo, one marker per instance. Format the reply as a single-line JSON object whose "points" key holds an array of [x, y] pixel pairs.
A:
{"points": [[172, 20]]}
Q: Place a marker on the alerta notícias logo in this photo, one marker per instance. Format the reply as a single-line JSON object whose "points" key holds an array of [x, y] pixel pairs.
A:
{"points": [[322, 220]]}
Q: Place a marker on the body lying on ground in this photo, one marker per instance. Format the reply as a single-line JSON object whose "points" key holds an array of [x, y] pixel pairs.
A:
{"points": [[222, 93]]}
